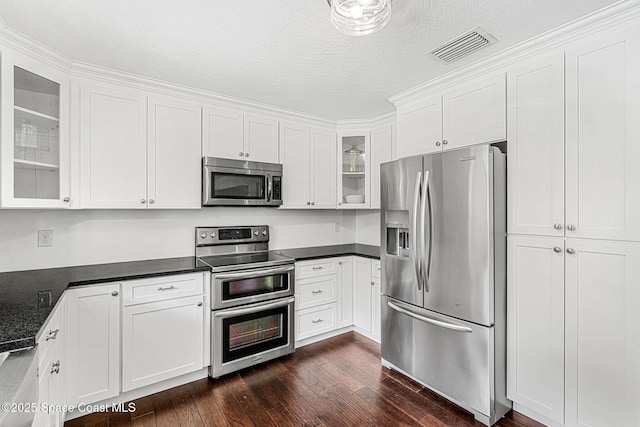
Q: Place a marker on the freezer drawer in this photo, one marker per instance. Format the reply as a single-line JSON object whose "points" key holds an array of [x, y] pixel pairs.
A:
{"points": [[450, 356]]}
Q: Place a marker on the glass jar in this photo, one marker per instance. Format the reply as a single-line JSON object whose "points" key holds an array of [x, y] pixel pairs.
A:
{"points": [[353, 160]]}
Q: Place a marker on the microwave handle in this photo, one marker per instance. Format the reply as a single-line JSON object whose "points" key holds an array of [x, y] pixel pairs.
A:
{"points": [[269, 187]]}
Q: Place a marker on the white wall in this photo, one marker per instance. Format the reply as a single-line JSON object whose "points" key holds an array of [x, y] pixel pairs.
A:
{"points": [[102, 236], [368, 227]]}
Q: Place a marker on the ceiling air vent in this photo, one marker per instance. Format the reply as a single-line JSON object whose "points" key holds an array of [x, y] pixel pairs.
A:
{"points": [[462, 45]]}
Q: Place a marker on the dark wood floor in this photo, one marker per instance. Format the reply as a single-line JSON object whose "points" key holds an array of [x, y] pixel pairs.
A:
{"points": [[336, 382]]}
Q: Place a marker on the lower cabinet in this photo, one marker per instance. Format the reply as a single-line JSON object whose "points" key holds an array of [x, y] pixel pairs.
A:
{"points": [[574, 329], [366, 307]]}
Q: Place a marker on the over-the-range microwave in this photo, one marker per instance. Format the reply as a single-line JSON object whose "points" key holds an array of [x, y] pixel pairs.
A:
{"points": [[228, 182]]}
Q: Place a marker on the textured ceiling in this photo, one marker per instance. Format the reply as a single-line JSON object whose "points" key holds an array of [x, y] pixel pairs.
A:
{"points": [[283, 53]]}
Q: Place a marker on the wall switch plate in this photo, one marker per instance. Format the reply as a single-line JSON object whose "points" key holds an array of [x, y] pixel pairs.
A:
{"points": [[44, 299], [336, 226], [45, 238]]}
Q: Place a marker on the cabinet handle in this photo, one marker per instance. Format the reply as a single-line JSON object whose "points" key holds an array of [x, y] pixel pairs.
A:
{"points": [[143, 201], [152, 201], [317, 268], [557, 249], [166, 288], [66, 199], [52, 335], [317, 321], [241, 154], [571, 227], [445, 142], [55, 367], [373, 283], [437, 143], [339, 203], [339, 262], [308, 203], [317, 292], [313, 203], [246, 154], [114, 293], [200, 304], [571, 251], [557, 226]]}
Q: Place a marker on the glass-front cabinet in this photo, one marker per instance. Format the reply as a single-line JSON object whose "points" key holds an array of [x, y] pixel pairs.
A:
{"points": [[35, 139], [354, 153]]}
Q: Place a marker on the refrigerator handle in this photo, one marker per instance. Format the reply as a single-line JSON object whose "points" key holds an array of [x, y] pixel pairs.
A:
{"points": [[426, 199], [440, 323], [415, 245]]}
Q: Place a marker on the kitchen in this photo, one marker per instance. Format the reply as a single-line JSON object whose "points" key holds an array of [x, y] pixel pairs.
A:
{"points": [[108, 219]]}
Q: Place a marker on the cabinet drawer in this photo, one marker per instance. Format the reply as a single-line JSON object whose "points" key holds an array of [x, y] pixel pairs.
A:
{"points": [[161, 288], [315, 268], [51, 333], [315, 321], [375, 268], [316, 291]]}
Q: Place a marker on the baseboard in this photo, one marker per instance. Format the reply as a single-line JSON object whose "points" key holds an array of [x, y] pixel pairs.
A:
{"points": [[535, 416], [321, 337]]}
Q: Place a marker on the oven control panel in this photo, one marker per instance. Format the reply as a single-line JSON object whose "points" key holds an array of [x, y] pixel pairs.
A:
{"points": [[209, 236]]}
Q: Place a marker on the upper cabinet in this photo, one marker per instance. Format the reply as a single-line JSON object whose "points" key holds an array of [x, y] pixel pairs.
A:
{"points": [[309, 164], [233, 135], [138, 151], [471, 114], [35, 134], [354, 160]]}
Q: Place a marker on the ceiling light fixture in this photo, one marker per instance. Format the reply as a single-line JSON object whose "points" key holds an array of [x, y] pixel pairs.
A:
{"points": [[360, 17]]}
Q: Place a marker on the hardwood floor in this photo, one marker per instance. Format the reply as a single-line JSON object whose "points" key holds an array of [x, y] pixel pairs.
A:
{"points": [[336, 382]]}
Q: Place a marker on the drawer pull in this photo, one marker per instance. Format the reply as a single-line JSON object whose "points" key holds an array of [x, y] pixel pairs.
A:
{"points": [[317, 268], [317, 292], [317, 321], [52, 335], [166, 288], [55, 367]]}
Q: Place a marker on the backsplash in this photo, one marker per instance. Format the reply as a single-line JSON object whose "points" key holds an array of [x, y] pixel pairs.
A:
{"points": [[101, 236], [368, 227]]}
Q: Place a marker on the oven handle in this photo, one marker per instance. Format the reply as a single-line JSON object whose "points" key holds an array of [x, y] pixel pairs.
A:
{"points": [[253, 309], [253, 273]]}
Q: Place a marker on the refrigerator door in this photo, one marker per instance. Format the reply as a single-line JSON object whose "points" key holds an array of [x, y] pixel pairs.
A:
{"points": [[457, 234], [450, 356], [400, 219]]}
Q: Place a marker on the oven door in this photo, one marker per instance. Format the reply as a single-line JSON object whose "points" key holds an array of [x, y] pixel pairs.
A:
{"points": [[245, 336], [249, 286], [236, 187]]}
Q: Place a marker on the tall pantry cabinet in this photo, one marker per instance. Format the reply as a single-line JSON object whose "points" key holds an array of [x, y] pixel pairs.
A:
{"points": [[574, 233]]}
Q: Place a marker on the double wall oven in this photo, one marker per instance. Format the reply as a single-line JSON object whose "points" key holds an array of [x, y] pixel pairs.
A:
{"points": [[252, 297]]}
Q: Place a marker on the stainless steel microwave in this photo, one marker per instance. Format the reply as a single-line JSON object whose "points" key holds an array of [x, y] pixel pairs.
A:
{"points": [[228, 182]]}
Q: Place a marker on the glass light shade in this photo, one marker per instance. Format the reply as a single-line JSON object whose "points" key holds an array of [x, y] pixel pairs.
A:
{"points": [[360, 17]]}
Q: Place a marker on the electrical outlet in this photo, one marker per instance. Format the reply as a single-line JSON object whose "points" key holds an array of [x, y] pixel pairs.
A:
{"points": [[44, 299], [336, 226], [45, 238]]}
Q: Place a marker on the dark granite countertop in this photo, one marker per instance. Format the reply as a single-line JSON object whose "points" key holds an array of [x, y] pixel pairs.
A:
{"points": [[303, 254], [21, 315]]}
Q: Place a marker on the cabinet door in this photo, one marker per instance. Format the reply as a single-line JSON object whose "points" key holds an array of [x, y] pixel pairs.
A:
{"points": [[35, 134], [261, 139], [535, 134], [419, 127], [174, 159], [295, 157], [602, 333], [375, 308], [92, 344], [345, 292], [475, 113], [323, 169], [381, 141], [161, 340], [603, 130], [222, 133], [113, 130], [354, 148], [362, 294], [535, 324]]}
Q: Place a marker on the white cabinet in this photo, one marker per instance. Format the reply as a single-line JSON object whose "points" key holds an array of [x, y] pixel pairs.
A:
{"points": [[35, 134], [92, 344], [535, 315], [309, 160], [602, 333], [603, 130], [233, 135], [471, 114], [131, 159], [366, 296], [535, 136], [381, 151], [354, 157], [345, 292]]}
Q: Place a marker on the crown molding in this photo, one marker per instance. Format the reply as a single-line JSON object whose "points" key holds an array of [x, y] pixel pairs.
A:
{"points": [[382, 120], [615, 15]]}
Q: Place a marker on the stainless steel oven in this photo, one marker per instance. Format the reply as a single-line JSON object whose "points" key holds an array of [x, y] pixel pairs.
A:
{"points": [[228, 182], [252, 297]]}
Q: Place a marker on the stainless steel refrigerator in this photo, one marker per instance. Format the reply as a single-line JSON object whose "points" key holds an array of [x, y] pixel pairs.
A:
{"points": [[443, 257]]}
